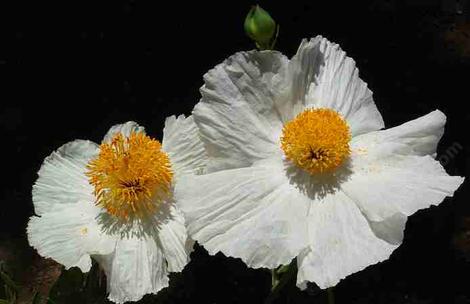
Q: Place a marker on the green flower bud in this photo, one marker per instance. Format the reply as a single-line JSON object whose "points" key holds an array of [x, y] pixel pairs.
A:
{"points": [[260, 27]]}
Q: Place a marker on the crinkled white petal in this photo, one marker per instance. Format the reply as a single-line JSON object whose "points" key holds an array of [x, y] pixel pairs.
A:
{"points": [[391, 229], [327, 78], [145, 253], [184, 146], [237, 116], [126, 129], [70, 235], [174, 241], [400, 184], [136, 268], [250, 213], [62, 180], [393, 172], [341, 243], [303, 71], [416, 137]]}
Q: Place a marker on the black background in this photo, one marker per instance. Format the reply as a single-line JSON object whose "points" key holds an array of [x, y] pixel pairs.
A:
{"points": [[72, 70]]}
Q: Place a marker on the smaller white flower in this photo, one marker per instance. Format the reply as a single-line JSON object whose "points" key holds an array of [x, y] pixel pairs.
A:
{"points": [[114, 202]]}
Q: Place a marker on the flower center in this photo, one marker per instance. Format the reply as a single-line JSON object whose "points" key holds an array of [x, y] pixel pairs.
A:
{"points": [[316, 140], [131, 176]]}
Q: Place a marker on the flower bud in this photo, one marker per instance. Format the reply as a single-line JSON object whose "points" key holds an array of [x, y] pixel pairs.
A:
{"points": [[260, 27]]}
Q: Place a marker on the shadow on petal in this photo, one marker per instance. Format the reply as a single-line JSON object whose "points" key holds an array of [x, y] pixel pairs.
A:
{"points": [[137, 226], [317, 186]]}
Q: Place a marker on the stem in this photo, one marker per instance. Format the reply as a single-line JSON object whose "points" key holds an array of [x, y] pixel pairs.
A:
{"points": [[273, 43], [274, 279], [331, 295], [280, 277]]}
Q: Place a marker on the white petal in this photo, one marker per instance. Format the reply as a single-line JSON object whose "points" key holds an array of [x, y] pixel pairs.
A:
{"points": [[136, 268], [126, 129], [174, 241], [237, 116], [70, 235], [327, 78], [250, 213], [184, 146], [417, 137], [62, 180], [393, 173], [402, 184], [341, 243], [391, 229]]}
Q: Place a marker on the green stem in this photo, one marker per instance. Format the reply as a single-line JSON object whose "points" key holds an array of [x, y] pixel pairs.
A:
{"points": [[273, 43], [331, 295], [280, 277], [274, 279]]}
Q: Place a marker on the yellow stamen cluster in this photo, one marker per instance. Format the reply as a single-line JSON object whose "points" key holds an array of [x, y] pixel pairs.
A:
{"points": [[131, 176], [317, 140]]}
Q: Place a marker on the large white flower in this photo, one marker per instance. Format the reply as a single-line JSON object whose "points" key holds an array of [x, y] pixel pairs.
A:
{"points": [[115, 203], [298, 166]]}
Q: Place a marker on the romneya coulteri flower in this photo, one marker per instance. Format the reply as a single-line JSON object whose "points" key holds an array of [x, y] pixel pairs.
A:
{"points": [[300, 168], [114, 202]]}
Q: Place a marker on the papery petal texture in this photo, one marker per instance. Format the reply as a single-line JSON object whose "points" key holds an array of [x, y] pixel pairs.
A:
{"points": [[174, 241], [237, 116], [330, 79], [66, 229], [125, 129], [184, 146], [136, 268], [70, 236], [62, 180], [250, 213], [341, 242], [404, 175]]}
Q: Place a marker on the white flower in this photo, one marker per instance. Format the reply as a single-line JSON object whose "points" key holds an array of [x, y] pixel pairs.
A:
{"points": [[298, 166], [115, 203]]}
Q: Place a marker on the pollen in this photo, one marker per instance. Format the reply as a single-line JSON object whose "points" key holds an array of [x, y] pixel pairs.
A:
{"points": [[84, 231], [131, 176], [316, 140]]}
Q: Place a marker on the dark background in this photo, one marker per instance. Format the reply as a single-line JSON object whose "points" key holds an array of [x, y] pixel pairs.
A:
{"points": [[72, 70]]}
